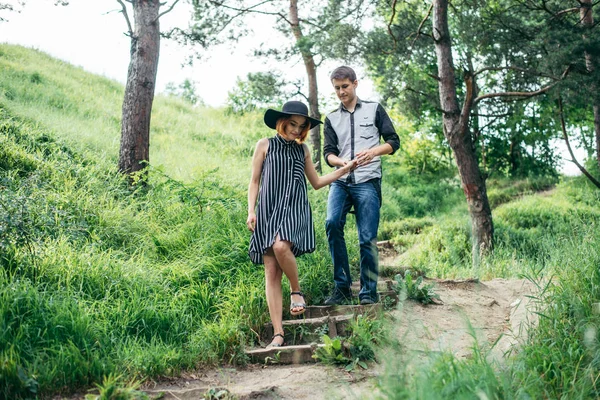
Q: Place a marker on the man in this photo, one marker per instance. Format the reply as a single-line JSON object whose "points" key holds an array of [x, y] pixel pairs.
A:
{"points": [[353, 131]]}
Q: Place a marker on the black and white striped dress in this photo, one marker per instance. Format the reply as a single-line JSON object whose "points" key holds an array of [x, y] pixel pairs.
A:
{"points": [[283, 206]]}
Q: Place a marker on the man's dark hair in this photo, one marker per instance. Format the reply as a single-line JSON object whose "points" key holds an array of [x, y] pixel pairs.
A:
{"points": [[342, 73]]}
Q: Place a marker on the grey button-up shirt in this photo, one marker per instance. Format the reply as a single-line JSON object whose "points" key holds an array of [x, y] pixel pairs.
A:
{"points": [[347, 133]]}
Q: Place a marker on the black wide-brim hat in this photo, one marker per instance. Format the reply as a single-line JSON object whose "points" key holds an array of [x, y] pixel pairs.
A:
{"points": [[289, 108]]}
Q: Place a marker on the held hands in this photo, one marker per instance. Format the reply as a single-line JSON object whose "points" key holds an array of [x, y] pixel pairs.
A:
{"points": [[349, 166], [251, 221]]}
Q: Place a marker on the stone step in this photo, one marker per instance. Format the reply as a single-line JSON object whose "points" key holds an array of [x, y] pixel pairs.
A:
{"points": [[353, 309], [388, 297], [307, 330], [297, 354], [382, 285]]}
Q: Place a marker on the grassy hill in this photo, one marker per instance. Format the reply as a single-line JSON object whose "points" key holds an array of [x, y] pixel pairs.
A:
{"points": [[98, 280]]}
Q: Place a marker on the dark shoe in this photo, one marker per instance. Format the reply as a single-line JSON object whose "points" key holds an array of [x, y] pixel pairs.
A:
{"points": [[276, 344], [366, 301], [338, 296], [301, 306]]}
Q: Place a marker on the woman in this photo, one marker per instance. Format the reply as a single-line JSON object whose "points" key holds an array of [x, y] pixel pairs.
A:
{"points": [[282, 222]]}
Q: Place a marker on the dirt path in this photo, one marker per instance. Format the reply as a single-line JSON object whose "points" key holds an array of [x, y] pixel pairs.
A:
{"points": [[496, 310]]}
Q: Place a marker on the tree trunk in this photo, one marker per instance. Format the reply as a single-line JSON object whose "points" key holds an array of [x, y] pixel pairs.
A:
{"points": [[587, 20], [139, 90], [456, 130], [313, 92]]}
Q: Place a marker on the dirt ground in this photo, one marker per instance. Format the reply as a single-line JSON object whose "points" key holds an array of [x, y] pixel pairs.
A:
{"points": [[497, 311]]}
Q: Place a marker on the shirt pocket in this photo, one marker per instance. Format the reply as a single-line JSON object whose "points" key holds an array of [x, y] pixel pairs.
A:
{"points": [[367, 130]]}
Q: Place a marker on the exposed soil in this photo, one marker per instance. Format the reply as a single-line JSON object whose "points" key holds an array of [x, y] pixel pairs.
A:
{"points": [[496, 310]]}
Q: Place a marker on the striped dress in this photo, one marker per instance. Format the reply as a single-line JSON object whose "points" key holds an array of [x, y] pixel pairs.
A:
{"points": [[283, 206]]}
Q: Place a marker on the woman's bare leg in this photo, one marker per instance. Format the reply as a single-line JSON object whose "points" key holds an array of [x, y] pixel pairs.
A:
{"points": [[273, 292], [287, 262]]}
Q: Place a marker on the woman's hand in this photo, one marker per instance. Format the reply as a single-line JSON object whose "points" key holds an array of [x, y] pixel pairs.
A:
{"points": [[251, 221], [349, 166]]}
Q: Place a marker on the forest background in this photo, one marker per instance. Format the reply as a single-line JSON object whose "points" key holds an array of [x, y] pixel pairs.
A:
{"points": [[129, 275]]}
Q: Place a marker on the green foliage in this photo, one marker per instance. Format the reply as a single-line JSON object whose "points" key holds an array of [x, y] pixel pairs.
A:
{"points": [[406, 194], [96, 279], [506, 46], [186, 90], [561, 359], [112, 389], [218, 394], [366, 333], [425, 155], [396, 228], [258, 91], [332, 352], [443, 376], [412, 288], [553, 240], [442, 250], [504, 190]]}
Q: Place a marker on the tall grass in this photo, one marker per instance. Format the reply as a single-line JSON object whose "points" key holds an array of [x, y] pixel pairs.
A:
{"points": [[97, 280], [555, 242]]}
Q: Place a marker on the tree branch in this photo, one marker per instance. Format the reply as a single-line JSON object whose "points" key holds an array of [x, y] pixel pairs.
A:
{"points": [[124, 12], [566, 137], [418, 33], [250, 9], [567, 11], [168, 10], [523, 94], [325, 28], [422, 23], [468, 103], [389, 25], [519, 69], [495, 116], [515, 94]]}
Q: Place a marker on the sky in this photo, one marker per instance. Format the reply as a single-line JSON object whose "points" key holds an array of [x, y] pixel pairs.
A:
{"points": [[90, 34]]}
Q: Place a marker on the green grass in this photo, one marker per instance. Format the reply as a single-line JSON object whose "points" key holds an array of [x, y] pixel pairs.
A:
{"points": [[101, 285], [555, 242], [97, 280]]}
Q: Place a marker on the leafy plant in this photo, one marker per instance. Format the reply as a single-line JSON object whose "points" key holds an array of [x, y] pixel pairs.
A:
{"points": [[356, 362], [365, 333], [332, 352], [356, 349], [218, 394], [273, 360], [414, 289], [112, 389]]}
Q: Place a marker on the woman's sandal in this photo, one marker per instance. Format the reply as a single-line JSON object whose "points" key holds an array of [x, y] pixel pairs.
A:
{"points": [[270, 345], [297, 305]]}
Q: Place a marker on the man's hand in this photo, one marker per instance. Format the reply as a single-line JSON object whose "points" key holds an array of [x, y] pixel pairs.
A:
{"points": [[364, 157]]}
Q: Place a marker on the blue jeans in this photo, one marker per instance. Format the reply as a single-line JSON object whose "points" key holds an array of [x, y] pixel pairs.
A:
{"points": [[366, 199]]}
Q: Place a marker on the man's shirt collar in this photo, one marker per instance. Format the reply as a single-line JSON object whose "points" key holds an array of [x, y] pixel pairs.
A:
{"points": [[358, 104]]}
